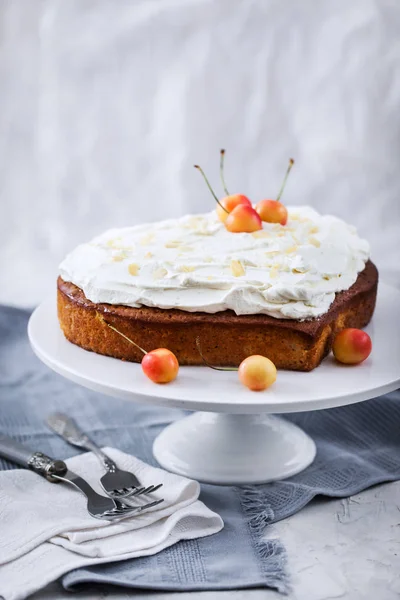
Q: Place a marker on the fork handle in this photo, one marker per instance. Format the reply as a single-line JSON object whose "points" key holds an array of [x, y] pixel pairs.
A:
{"points": [[107, 462], [68, 429], [37, 461]]}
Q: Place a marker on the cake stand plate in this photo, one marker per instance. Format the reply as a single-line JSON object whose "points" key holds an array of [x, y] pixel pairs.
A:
{"points": [[234, 438]]}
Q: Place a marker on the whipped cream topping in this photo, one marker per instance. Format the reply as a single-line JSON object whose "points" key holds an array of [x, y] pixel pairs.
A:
{"points": [[195, 264]]}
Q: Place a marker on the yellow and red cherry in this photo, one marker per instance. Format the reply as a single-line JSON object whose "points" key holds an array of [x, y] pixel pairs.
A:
{"points": [[257, 372], [273, 211], [352, 346], [227, 204], [160, 365], [243, 219]]}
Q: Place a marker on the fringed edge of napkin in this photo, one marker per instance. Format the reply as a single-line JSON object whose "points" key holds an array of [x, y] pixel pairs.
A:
{"points": [[271, 552]]}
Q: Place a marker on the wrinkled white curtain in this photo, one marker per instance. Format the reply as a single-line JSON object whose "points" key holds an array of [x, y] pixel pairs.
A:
{"points": [[106, 104]]}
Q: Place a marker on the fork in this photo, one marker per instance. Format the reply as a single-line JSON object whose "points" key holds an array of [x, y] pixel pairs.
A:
{"points": [[115, 482], [99, 507]]}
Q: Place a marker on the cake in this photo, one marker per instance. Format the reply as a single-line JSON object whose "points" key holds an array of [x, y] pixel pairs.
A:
{"points": [[282, 292]]}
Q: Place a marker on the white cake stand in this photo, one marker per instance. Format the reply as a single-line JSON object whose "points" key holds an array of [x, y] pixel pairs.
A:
{"points": [[234, 439]]}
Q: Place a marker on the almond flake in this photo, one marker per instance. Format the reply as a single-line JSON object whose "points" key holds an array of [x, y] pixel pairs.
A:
{"points": [[173, 244], [114, 243], [314, 229], [314, 242], [274, 272], [208, 259], [261, 234], [133, 269], [186, 269], [159, 273], [291, 249], [237, 268], [148, 255], [194, 221], [118, 257], [203, 230], [147, 239], [299, 218]]}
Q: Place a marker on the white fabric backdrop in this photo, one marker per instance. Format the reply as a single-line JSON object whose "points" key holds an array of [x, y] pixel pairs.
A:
{"points": [[106, 104]]}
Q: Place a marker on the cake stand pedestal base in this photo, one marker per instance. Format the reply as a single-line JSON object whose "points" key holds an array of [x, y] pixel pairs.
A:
{"points": [[234, 449]]}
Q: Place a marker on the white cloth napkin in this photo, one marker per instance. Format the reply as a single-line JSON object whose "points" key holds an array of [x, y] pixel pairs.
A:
{"points": [[46, 531]]}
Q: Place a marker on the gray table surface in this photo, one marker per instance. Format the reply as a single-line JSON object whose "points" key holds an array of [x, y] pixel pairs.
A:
{"points": [[346, 549]]}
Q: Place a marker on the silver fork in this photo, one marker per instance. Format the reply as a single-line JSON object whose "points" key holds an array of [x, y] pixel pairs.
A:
{"points": [[100, 507], [116, 482]]}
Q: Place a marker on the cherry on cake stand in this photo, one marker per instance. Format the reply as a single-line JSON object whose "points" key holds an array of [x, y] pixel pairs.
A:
{"points": [[233, 437]]}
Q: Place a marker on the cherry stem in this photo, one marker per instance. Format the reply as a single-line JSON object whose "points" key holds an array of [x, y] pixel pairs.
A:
{"points": [[125, 337], [221, 171], [291, 163], [210, 188], [208, 364]]}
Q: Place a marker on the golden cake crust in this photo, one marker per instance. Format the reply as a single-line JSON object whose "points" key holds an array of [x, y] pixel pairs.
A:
{"points": [[226, 338]]}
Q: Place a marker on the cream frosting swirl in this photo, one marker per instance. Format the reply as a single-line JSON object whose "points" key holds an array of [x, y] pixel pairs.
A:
{"points": [[195, 264]]}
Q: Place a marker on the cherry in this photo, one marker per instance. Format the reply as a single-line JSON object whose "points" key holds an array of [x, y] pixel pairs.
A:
{"points": [[160, 365], [229, 203], [351, 346], [226, 204], [243, 219], [240, 217], [257, 372], [273, 211]]}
